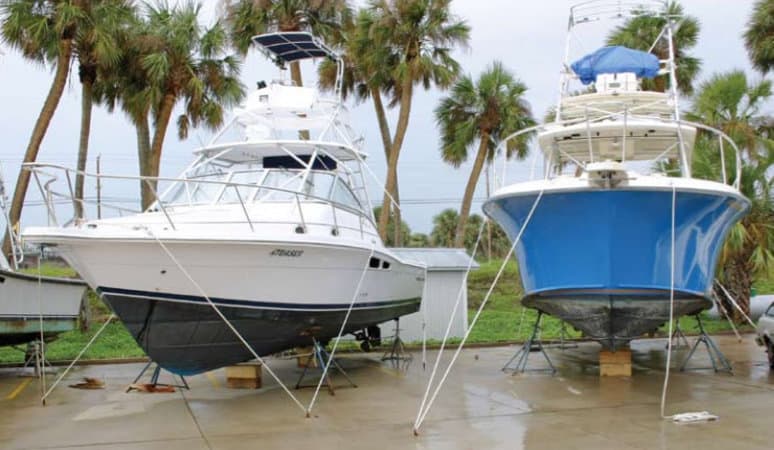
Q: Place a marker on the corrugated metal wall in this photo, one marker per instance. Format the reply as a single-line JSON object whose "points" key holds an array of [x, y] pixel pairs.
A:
{"points": [[441, 292]]}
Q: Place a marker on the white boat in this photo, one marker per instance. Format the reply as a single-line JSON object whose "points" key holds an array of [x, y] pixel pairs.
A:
{"points": [[610, 240], [273, 229], [30, 304]]}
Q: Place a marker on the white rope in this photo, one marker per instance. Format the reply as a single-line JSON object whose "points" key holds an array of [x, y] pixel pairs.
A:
{"points": [[422, 414], [341, 331], [671, 307], [225, 320], [77, 358], [449, 324], [736, 305], [40, 355], [424, 323], [722, 309]]}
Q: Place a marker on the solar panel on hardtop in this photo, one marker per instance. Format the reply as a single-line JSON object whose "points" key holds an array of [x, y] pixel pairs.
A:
{"points": [[289, 47]]}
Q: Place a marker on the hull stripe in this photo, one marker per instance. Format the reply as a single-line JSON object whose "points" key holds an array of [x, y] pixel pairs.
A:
{"points": [[250, 304]]}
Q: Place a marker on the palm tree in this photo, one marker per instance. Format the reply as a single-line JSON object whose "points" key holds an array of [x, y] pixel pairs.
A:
{"points": [[367, 74], [405, 230], [423, 33], [729, 102], [97, 47], [419, 240], [247, 18], [43, 32], [485, 111], [444, 228], [732, 104], [759, 36], [171, 58], [640, 32]]}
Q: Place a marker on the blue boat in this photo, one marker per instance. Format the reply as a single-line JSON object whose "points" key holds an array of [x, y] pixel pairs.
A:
{"points": [[607, 240]]}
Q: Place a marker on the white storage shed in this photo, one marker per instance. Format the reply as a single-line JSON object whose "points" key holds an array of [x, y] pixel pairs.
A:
{"points": [[446, 274]]}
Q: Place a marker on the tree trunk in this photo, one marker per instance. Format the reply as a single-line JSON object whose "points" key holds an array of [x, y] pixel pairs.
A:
{"points": [[470, 189], [738, 282], [87, 85], [384, 129], [143, 156], [38, 132], [392, 161], [153, 163], [295, 76], [381, 118]]}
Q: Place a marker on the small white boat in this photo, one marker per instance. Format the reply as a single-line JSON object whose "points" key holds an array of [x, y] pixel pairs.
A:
{"points": [[274, 229], [29, 305]]}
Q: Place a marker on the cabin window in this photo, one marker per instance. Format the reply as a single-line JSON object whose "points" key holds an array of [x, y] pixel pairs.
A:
{"points": [[342, 194], [374, 263], [385, 265]]}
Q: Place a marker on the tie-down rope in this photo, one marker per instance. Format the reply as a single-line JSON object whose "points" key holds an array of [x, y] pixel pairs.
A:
{"points": [[341, 331], [223, 317], [422, 414]]}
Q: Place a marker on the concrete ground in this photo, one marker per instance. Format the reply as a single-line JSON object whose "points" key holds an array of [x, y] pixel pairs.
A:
{"points": [[479, 407]]}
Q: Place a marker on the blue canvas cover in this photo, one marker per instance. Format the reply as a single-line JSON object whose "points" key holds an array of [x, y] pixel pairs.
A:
{"points": [[616, 59]]}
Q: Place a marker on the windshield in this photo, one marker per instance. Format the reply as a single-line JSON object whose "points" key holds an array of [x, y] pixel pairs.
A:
{"points": [[211, 184]]}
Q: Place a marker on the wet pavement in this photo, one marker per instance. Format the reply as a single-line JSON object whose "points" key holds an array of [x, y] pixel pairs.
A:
{"points": [[479, 407]]}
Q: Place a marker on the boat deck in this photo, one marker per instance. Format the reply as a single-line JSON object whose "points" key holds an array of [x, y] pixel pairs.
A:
{"points": [[480, 407]]}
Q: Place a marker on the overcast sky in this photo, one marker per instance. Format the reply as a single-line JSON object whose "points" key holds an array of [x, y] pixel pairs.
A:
{"points": [[528, 37]]}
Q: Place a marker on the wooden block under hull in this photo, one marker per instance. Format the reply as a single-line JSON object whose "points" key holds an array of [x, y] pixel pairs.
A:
{"points": [[615, 364], [303, 359], [244, 376]]}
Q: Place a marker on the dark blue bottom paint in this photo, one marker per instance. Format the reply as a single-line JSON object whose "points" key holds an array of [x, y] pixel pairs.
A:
{"points": [[190, 338]]}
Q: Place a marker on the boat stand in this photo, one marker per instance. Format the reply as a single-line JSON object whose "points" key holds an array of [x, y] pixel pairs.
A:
{"points": [[154, 381], [719, 361], [35, 357], [397, 351], [678, 338], [564, 337], [534, 343], [321, 356]]}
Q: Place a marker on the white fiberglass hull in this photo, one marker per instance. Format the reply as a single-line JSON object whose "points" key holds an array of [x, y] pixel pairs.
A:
{"points": [[25, 300], [278, 294]]}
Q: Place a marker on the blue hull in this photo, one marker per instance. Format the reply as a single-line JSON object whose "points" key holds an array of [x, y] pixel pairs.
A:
{"points": [[608, 253]]}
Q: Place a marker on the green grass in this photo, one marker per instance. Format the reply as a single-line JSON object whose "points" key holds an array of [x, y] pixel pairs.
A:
{"points": [[51, 270], [499, 321], [114, 342]]}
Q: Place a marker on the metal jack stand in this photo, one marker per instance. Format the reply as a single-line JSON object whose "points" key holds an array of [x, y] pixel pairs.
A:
{"points": [[34, 356], [678, 338], [154, 381], [712, 350], [397, 351], [532, 344], [321, 357], [564, 337]]}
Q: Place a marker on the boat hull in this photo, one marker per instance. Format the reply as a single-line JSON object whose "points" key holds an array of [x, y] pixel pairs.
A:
{"points": [[27, 304], [278, 295], [601, 258], [185, 335], [615, 319]]}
